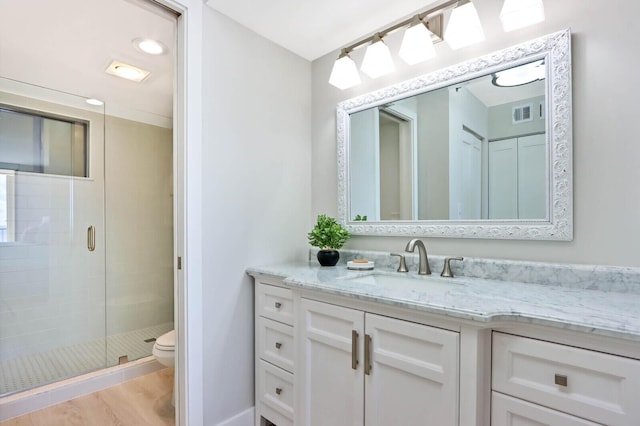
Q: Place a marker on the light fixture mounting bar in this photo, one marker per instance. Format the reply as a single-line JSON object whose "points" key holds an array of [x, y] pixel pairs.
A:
{"points": [[434, 23]]}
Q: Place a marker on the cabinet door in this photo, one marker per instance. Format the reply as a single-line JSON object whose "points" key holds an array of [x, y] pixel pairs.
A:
{"points": [[332, 390], [503, 179], [414, 374], [532, 177]]}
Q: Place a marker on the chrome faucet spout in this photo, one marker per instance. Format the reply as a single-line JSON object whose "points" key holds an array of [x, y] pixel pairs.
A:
{"points": [[423, 267]]}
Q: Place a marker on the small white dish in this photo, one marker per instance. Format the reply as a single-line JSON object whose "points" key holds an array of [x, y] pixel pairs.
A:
{"points": [[360, 266]]}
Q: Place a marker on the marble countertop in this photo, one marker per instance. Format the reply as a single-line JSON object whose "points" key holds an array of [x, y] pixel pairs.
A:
{"points": [[605, 313]]}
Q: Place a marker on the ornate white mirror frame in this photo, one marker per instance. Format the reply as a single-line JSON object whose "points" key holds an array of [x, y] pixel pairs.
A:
{"points": [[555, 49]]}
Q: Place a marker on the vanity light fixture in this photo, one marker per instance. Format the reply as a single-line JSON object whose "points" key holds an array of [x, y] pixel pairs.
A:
{"points": [[94, 102], [150, 46], [517, 14], [422, 31], [417, 43], [464, 28], [129, 72], [344, 73], [377, 59]]}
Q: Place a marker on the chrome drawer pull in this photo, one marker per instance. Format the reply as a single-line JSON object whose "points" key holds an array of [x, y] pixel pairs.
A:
{"points": [[278, 305], [278, 345], [367, 354], [278, 391], [354, 349], [561, 380]]}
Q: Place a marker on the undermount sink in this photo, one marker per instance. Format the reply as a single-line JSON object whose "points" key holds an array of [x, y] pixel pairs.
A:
{"points": [[382, 279]]}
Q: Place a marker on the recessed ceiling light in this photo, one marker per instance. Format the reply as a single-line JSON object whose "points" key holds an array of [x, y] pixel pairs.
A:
{"points": [[94, 102], [120, 69], [147, 45]]}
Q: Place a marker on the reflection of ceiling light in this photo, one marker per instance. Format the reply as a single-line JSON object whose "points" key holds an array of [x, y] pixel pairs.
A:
{"points": [[94, 102], [344, 73], [377, 59], [464, 27], [521, 13], [147, 45], [524, 74], [129, 72]]}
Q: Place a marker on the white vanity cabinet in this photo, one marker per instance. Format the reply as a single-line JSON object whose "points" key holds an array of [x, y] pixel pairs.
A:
{"points": [[275, 353], [539, 382], [359, 368]]}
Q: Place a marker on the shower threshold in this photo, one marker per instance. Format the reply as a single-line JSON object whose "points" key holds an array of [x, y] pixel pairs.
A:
{"points": [[29, 371]]}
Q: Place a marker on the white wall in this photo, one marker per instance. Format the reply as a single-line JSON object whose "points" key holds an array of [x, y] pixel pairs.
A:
{"points": [[139, 223], [605, 97], [256, 193]]}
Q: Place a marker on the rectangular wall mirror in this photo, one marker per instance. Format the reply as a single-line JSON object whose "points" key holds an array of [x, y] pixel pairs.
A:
{"points": [[478, 150]]}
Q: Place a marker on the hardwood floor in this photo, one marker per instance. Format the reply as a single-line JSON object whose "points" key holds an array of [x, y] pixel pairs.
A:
{"points": [[139, 402]]}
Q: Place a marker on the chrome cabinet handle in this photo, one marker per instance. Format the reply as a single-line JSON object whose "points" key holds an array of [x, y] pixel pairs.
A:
{"points": [[561, 380], [278, 391], [367, 354], [91, 238], [354, 349], [278, 305], [278, 345]]}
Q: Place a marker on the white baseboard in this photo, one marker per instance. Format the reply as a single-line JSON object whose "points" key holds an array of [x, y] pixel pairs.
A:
{"points": [[44, 396], [243, 419]]}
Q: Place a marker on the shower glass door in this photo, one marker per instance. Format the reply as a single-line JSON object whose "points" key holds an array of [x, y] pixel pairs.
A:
{"points": [[52, 236]]}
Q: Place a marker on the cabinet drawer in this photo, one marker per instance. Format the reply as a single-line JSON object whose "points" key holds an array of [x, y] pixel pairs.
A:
{"points": [[275, 303], [275, 343], [275, 389], [508, 411], [600, 387]]}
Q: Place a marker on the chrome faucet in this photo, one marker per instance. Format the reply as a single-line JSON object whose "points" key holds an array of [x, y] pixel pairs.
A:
{"points": [[423, 267]]}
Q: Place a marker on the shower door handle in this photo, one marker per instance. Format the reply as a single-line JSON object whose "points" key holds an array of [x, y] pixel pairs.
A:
{"points": [[91, 238]]}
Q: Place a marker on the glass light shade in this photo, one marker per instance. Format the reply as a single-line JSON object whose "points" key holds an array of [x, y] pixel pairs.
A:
{"points": [[521, 13], [417, 45], [377, 60], [464, 27], [344, 73]]}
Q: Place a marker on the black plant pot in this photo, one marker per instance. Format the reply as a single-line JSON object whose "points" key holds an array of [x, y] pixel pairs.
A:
{"points": [[328, 257]]}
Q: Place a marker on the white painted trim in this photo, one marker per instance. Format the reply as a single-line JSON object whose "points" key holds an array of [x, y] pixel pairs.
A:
{"points": [[556, 50], [44, 396], [187, 130], [245, 418]]}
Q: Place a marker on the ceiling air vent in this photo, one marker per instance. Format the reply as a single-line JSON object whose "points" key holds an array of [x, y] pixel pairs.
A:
{"points": [[522, 113]]}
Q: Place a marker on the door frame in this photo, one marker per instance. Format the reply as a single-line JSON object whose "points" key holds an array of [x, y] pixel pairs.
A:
{"points": [[187, 145]]}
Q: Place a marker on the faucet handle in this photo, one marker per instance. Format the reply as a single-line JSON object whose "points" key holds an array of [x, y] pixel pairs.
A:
{"points": [[403, 264], [446, 270]]}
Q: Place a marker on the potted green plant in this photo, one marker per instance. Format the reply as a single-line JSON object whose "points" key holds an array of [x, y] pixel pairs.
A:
{"points": [[329, 236]]}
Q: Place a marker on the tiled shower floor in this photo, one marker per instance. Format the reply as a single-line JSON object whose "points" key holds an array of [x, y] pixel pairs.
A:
{"points": [[33, 370]]}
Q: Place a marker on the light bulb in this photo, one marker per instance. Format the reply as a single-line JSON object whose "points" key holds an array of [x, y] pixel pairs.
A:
{"points": [[377, 60], [521, 13], [417, 45], [464, 27], [344, 73]]}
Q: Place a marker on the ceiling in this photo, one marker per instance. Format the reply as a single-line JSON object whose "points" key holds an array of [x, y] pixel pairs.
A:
{"points": [[67, 44], [311, 28]]}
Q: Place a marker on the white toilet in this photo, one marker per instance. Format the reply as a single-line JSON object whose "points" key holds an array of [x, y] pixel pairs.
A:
{"points": [[164, 352]]}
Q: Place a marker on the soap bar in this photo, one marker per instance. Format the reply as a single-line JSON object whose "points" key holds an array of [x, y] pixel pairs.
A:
{"points": [[360, 261]]}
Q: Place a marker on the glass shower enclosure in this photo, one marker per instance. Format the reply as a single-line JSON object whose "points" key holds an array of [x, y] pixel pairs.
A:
{"points": [[64, 310]]}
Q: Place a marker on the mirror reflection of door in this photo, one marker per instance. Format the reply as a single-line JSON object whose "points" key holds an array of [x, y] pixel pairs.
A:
{"points": [[467, 195], [397, 193], [382, 166], [517, 184]]}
